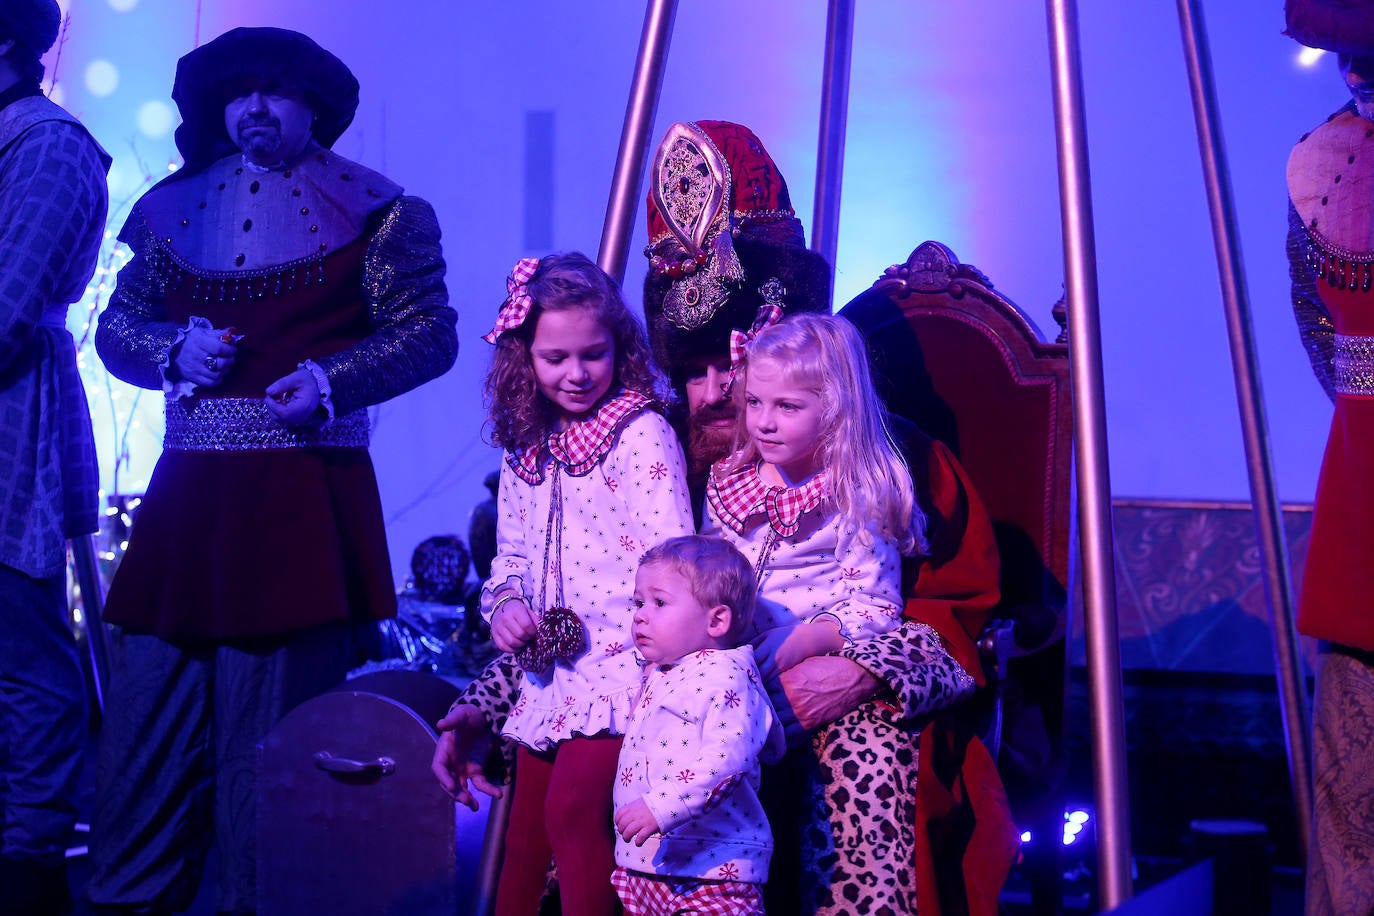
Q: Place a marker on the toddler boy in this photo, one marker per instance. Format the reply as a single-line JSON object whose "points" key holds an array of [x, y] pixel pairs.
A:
{"points": [[691, 832]]}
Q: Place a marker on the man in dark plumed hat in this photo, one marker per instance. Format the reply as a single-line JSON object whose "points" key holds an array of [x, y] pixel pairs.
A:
{"points": [[727, 255], [52, 217], [276, 291], [1331, 263]]}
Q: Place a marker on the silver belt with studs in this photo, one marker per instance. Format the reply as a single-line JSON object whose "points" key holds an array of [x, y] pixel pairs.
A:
{"points": [[1352, 363], [245, 425]]}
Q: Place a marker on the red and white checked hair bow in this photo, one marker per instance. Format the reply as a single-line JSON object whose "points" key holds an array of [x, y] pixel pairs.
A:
{"points": [[518, 302], [770, 313]]}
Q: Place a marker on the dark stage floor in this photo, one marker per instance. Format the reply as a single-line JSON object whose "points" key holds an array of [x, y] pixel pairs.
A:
{"points": [[1174, 779], [1286, 898]]}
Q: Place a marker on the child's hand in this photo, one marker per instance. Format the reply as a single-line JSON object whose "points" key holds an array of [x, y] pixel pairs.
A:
{"points": [[781, 648], [459, 733], [514, 625], [635, 822]]}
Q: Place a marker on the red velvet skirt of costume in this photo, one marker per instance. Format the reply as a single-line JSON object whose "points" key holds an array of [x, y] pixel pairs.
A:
{"points": [[238, 545], [243, 544], [1337, 600]]}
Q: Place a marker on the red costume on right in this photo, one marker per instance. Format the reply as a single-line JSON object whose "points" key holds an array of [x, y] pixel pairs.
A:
{"points": [[1331, 253], [1331, 261]]}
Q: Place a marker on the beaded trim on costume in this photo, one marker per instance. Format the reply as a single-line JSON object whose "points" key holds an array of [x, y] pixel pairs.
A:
{"points": [[236, 285], [245, 425], [1352, 364], [1339, 267]]}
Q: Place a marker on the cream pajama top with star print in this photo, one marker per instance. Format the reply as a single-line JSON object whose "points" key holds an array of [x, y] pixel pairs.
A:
{"points": [[623, 490], [692, 752]]}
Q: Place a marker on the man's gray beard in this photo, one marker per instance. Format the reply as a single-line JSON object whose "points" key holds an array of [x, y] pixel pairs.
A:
{"points": [[261, 145]]}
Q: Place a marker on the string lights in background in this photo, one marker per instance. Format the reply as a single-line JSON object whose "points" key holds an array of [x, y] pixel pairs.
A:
{"points": [[113, 103], [95, 72]]}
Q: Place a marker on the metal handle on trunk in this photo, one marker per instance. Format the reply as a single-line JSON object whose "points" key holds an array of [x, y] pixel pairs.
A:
{"points": [[382, 766]]}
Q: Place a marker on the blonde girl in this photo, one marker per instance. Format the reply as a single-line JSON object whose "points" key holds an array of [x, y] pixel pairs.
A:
{"points": [[815, 491], [818, 498]]}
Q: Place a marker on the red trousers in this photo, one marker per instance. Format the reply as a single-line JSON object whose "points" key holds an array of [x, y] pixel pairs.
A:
{"points": [[562, 811]]}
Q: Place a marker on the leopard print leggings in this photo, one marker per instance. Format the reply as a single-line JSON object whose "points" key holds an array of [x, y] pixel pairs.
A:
{"points": [[858, 855]]}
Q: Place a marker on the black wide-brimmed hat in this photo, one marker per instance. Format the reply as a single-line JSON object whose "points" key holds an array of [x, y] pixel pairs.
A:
{"points": [[32, 23], [241, 59], [1342, 26]]}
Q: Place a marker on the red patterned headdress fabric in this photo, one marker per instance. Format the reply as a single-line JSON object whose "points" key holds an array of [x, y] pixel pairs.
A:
{"points": [[721, 226]]}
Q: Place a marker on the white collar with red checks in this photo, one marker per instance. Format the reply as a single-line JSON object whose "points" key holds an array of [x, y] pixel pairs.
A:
{"points": [[581, 445], [740, 495]]}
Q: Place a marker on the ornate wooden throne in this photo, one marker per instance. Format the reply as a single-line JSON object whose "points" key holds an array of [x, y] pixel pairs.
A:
{"points": [[971, 369]]}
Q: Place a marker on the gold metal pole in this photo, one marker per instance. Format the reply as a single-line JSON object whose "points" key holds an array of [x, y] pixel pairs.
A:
{"points": [[1090, 457], [839, 46], [1278, 586], [93, 607], [493, 853], [634, 137]]}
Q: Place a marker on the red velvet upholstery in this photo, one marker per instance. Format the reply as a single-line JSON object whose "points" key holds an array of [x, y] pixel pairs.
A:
{"points": [[966, 365], [960, 360]]}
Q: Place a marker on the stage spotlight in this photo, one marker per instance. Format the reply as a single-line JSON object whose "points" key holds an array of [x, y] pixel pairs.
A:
{"points": [[1074, 823], [1076, 820], [1309, 56]]}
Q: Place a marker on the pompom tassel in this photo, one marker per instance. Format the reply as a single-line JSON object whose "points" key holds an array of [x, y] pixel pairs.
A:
{"points": [[561, 637]]}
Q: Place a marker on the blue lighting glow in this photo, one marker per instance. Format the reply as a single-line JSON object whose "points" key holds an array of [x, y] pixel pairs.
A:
{"points": [[1076, 820]]}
